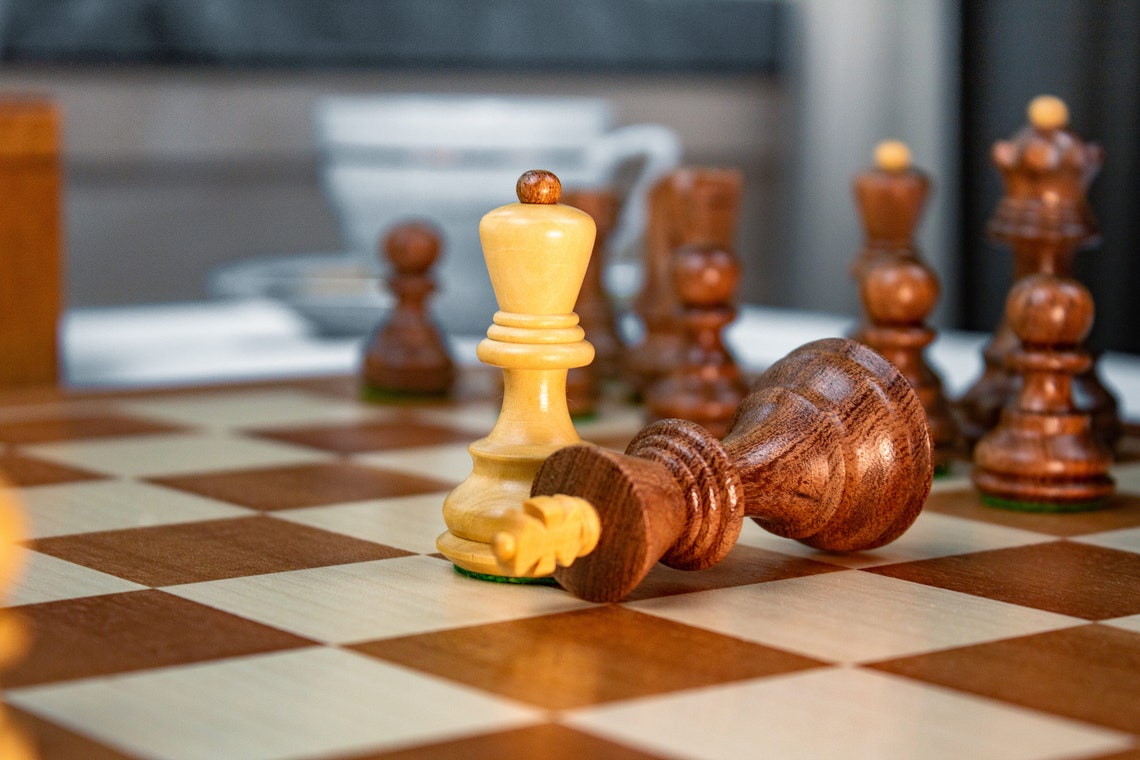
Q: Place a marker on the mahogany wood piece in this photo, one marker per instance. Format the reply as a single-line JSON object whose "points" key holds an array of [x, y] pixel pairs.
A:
{"points": [[1045, 218], [705, 385], [898, 294], [891, 196], [898, 289], [407, 353], [830, 447], [536, 252], [1043, 454], [595, 312], [30, 242], [656, 304]]}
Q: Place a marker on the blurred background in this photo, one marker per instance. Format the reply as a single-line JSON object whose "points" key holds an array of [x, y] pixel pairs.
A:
{"points": [[189, 140]]}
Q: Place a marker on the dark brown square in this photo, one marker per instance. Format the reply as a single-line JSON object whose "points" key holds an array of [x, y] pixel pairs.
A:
{"points": [[136, 630], [53, 741], [1084, 581], [742, 566], [305, 485], [68, 427], [585, 657], [371, 436], [1122, 511], [1089, 673], [548, 741], [20, 470], [166, 555]]}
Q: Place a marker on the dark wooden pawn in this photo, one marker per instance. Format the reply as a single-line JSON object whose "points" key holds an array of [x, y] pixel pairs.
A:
{"points": [[594, 310], [890, 196], [1043, 455], [898, 295], [705, 386], [830, 447], [407, 353]]}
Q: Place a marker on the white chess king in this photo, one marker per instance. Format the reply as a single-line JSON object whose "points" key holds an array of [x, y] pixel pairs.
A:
{"points": [[536, 251]]}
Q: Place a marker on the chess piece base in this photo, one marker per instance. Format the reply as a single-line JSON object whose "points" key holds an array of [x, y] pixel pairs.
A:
{"points": [[545, 580], [1038, 467]]}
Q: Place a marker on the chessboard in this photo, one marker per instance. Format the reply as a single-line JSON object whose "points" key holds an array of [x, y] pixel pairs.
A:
{"points": [[250, 572]]}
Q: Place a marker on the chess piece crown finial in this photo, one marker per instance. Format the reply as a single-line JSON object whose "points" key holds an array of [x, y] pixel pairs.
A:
{"points": [[892, 156], [1046, 169], [891, 196], [538, 186]]}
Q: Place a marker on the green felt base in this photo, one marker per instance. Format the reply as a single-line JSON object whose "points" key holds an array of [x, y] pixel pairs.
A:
{"points": [[1039, 506], [545, 581]]}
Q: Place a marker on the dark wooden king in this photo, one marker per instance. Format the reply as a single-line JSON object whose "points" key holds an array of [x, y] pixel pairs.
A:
{"points": [[830, 447]]}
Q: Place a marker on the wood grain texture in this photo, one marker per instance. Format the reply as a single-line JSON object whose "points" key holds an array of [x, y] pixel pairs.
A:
{"points": [[891, 197], [704, 385], [537, 252], [1045, 218], [897, 288], [898, 294], [831, 447], [30, 242], [1043, 453]]}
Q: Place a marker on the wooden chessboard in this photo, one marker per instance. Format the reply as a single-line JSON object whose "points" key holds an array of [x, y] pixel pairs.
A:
{"points": [[249, 572]]}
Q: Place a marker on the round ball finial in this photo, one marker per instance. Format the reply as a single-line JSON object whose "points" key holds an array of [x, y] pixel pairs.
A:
{"points": [[892, 156], [1048, 112], [899, 292], [1044, 309], [538, 186], [412, 247]]}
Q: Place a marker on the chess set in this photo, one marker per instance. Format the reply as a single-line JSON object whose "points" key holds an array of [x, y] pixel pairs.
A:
{"points": [[429, 561]]}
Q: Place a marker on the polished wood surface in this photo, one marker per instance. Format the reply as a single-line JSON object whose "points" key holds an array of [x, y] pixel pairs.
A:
{"points": [[891, 196], [898, 294], [407, 353], [269, 550], [831, 448], [536, 251], [1045, 218], [1043, 455], [31, 241], [704, 385], [897, 288]]}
